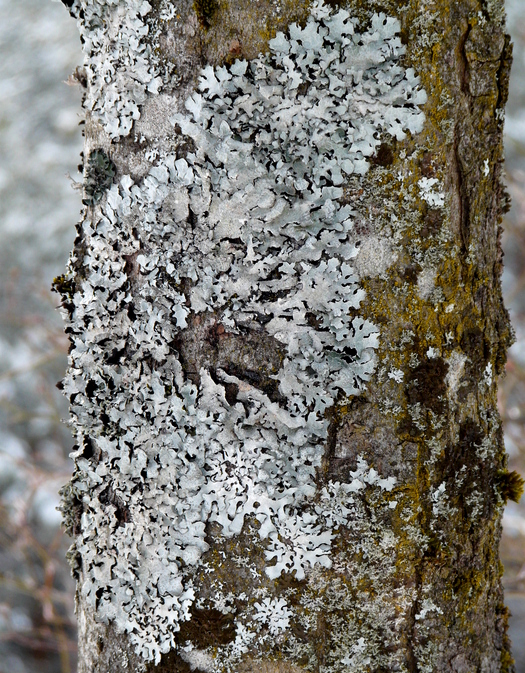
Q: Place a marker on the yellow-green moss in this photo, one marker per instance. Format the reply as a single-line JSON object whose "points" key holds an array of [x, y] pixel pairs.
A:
{"points": [[510, 485], [205, 11]]}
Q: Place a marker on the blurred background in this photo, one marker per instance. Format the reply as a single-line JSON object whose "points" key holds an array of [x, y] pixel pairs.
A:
{"points": [[40, 143]]}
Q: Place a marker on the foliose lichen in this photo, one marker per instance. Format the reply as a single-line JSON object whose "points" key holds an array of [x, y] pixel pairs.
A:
{"points": [[246, 233], [121, 66]]}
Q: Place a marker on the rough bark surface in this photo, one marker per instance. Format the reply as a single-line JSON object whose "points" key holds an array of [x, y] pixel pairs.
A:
{"points": [[408, 578]]}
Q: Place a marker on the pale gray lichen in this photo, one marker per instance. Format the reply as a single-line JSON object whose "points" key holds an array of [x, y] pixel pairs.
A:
{"points": [[274, 613], [359, 507], [248, 232], [121, 66], [427, 190]]}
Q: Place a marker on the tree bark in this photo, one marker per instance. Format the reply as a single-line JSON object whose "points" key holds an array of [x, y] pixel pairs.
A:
{"points": [[286, 329]]}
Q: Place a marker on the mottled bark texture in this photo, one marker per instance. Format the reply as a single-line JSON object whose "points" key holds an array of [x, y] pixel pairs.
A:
{"points": [[402, 573]]}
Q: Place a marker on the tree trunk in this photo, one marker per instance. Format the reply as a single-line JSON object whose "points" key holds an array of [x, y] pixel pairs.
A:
{"points": [[286, 329]]}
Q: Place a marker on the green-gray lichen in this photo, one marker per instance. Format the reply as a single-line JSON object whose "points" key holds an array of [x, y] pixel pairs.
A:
{"points": [[246, 233]]}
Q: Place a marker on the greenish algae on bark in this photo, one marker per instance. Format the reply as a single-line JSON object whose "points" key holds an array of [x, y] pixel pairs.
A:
{"points": [[463, 58]]}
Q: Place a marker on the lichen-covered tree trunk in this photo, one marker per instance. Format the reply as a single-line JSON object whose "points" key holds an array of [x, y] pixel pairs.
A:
{"points": [[286, 330]]}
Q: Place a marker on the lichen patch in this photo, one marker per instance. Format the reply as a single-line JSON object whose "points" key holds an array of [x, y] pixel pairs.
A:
{"points": [[245, 243]]}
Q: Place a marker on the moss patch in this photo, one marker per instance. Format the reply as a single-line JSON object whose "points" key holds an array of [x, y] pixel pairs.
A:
{"points": [[510, 485], [100, 174], [205, 11]]}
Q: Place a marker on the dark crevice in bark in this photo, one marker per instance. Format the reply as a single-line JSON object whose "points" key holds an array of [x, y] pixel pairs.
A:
{"points": [[463, 62], [320, 643], [412, 663], [122, 513], [459, 135], [463, 201], [426, 384], [192, 220], [329, 457], [503, 73], [252, 356]]}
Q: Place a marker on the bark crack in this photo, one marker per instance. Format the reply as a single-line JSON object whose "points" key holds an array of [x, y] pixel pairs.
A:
{"points": [[463, 62], [464, 206], [463, 201], [412, 664]]}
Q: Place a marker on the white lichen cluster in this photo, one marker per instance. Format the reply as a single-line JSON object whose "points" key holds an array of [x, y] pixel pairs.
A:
{"points": [[274, 613], [263, 619], [427, 191], [247, 232], [121, 66]]}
